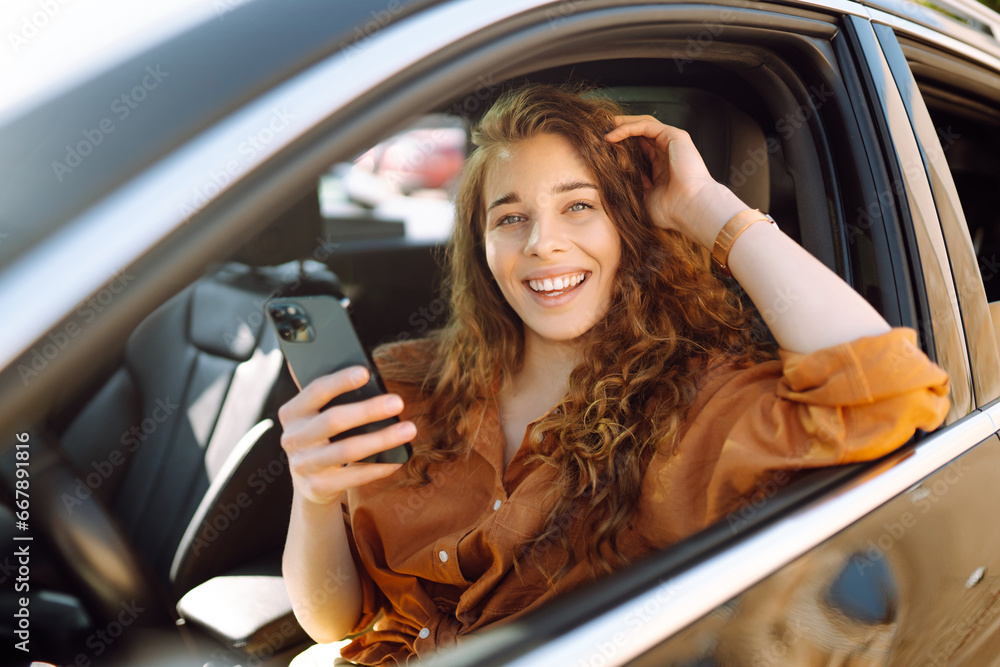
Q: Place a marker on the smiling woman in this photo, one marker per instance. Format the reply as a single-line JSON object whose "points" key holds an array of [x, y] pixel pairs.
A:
{"points": [[596, 394]]}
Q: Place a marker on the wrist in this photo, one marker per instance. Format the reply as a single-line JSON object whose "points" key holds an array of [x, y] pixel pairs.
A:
{"points": [[731, 232], [719, 208], [310, 505]]}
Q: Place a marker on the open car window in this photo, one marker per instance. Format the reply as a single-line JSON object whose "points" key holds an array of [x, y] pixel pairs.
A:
{"points": [[401, 187]]}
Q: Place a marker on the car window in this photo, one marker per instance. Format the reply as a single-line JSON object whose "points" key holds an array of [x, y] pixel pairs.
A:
{"points": [[399, 188], [792, 110]]}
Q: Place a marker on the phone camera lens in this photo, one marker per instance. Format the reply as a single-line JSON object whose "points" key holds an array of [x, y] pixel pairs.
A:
{"points": [[277, 314], [285, 333], [297, 322]]}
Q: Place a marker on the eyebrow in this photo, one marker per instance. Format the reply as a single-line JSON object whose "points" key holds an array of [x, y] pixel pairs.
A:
{"points": [[513, 198]]}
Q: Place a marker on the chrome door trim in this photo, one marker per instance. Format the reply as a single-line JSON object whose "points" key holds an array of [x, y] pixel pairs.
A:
{"points": [[933, 20], [110, 229], [630, 629], [989, 58], [834, 6]]}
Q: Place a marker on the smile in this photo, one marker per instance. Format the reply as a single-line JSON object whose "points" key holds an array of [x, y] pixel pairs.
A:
{"points": [[557, 285]]}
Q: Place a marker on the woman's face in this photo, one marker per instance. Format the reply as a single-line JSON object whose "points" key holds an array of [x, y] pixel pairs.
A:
{"points": [[550, 245]]}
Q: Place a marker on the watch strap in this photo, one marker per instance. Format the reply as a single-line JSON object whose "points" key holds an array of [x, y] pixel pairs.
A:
{"points": [[729, 233]]}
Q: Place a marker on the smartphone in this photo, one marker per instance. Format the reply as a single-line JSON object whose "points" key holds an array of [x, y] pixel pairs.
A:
{"points": [[317, 338]]}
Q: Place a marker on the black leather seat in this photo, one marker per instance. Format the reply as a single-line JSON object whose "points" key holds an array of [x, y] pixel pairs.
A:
{"points": [[182, 442]]}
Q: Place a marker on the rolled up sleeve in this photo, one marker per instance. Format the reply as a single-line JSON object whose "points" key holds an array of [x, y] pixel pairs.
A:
{"points": [[865, 398], [750, 426], [853, 402]]}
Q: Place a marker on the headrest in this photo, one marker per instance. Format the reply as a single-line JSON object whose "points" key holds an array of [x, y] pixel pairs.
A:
{"points": [[731, 142], [225, 321], [227, 310], [295, 234]]}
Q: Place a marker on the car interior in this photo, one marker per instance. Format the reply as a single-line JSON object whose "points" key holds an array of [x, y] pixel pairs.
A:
{"points": [[167, 481]]}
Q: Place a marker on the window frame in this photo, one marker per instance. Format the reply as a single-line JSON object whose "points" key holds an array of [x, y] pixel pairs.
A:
{"points": [[708, 576], [980, 333], [976, 319], [940, 323]]}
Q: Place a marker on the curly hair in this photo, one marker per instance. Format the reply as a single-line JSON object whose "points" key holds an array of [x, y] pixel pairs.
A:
{"points": [[669, 317]]}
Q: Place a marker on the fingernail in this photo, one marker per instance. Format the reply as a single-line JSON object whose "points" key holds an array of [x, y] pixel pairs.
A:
{"points": [[360, 375], [393, 403], [407, 430]]}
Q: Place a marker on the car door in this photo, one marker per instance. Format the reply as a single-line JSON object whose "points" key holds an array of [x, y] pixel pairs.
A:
{"points": [[950, 85], [853, 547], [891, 563]]}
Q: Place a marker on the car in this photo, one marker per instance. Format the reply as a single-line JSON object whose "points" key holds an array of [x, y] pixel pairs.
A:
{"points": [[152, 198]]}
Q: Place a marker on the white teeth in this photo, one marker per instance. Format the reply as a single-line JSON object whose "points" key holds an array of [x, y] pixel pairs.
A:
{"points": [[557, 284]]}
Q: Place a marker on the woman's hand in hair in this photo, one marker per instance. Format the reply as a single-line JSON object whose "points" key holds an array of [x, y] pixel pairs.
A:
{"points": [[680, 192], [322, 470], [818, 309]]}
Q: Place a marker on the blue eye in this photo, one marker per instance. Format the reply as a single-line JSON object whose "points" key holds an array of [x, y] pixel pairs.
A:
{"points": [[580, 206], [508, 219]]}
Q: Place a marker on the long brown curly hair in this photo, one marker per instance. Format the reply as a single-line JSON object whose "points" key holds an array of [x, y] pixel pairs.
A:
{"points": [[670, 316]]}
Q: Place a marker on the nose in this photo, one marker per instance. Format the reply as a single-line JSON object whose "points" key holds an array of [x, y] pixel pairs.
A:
{"points": [[546, 237]]}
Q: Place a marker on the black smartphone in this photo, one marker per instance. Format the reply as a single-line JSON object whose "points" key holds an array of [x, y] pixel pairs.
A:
{"points": [[317, 338]]}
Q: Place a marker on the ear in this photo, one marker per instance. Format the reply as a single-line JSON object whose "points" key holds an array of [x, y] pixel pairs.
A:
{"points": [[647, 184]]}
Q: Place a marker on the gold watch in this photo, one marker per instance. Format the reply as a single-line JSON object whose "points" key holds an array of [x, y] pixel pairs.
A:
{"points": [[730, 231]]}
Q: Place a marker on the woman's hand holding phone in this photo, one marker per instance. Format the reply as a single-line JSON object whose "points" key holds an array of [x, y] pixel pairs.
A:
{"points": [[322, 470]]}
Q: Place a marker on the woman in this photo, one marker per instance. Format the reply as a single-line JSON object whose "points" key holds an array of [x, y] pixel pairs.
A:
{"points": [[597, 393]]}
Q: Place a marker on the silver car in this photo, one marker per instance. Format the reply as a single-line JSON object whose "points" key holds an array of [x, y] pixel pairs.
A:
{"points": [[151, 201]]}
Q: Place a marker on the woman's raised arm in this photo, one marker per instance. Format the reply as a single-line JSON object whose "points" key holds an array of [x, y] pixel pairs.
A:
{"points": [[806, 306]]}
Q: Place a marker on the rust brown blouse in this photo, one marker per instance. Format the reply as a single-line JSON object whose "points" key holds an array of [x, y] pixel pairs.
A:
{"points": [[438, 560]]}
